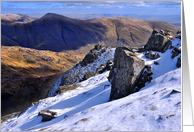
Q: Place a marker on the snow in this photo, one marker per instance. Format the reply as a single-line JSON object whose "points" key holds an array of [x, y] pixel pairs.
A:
{"points": [[156, 107], [77, 73]]}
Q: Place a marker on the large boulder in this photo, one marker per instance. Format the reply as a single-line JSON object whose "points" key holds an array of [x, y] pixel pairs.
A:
{"points": [[125, 73], [47, 115], [158, 42]]}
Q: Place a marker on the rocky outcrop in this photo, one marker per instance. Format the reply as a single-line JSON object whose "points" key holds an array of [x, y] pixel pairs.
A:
{"points": [[166, 46], [64, 88], [109, 65], [128, 74], [178, 64], [47, 115], [88, 75], [158, 42], [151, 55], [93, 55], [101, 68], [175, 52], [144, 77], [178, 32]]}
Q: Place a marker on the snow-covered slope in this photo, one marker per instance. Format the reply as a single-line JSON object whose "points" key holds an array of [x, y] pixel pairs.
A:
{"points": [[156, 107], [78, 72]]}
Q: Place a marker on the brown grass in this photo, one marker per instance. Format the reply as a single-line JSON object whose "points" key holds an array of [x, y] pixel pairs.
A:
{"points": [[25, 69]]}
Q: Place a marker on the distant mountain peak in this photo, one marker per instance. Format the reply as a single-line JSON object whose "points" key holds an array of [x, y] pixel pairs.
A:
{"points": [[17, 17], [53, 15]]}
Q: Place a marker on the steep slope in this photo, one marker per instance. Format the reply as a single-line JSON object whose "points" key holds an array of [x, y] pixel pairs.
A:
{"points": [[59, 33], [156, 107], [17, 17], [27, 74]]}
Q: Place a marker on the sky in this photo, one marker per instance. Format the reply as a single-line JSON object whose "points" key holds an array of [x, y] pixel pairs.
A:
{"points": [[39, 8]]}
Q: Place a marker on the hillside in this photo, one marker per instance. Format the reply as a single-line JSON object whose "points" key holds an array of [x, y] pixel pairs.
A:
{"points": [[59, 33], [17, 17], [154, 107], [27, 74]]}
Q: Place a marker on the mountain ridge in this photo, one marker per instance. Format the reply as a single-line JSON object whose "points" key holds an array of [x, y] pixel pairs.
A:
{"points": [[59, 33]]}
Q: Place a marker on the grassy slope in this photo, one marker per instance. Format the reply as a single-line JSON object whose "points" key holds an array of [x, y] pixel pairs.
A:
{"points": [[27, 70]]}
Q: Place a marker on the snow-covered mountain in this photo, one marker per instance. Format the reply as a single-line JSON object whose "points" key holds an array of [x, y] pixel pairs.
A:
{"points": [[156, 107]]}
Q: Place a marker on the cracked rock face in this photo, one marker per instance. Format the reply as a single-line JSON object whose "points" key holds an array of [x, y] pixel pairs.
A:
{"points": [[125, 73]]}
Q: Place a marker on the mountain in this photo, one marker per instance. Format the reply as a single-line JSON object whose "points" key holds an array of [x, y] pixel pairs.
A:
{"points": [[17, 18], [59, 33], [164, 18], [27, 74], [87, 107]]}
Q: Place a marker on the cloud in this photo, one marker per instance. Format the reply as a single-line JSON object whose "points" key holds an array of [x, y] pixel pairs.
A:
{"points": [[99, 4]]}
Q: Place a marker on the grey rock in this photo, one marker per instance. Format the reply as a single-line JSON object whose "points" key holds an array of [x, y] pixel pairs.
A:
{"points": [[109, 65], [158, 41], [47, 115], [125, 73], [175, 52], [166, 46], [101, 68], [178, 64], [89, 74], [178, 32], [141, 50], [93, 54], [151, 55], [156, 63]]}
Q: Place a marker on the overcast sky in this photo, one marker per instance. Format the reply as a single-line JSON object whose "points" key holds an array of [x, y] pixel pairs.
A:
{"points": [[39, 8]]}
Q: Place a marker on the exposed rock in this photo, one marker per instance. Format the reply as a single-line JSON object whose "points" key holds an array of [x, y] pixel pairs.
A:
{"points": [[145, 76], [156, 63], [125, 74], [93, 55], [158, 42], [152, 55], [178, 64], [101, 68], [97, 47], [76, 74], [171, 47], [178, 32], [166, 46], [88, 75], [109, 65], [47, 115], [65, 88], [178, 36], [141, 50], [175, 52]]}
